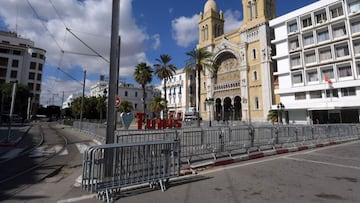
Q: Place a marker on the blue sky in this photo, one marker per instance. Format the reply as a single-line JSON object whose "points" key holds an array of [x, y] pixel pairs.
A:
{"points": [[148, 29]]}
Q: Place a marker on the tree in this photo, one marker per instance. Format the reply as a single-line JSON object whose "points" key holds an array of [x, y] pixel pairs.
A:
{"points": [[125, 107], [272, 116], [199, 58], [101, 106], [143, 75], [157, 104], [164, 70], [22, 95]]}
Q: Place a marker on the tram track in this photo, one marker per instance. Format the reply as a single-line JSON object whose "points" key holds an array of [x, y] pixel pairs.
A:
{"points": [[27, 170]]}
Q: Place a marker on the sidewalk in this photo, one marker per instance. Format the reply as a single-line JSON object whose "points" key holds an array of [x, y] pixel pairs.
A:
{"points": [[9, 141]]}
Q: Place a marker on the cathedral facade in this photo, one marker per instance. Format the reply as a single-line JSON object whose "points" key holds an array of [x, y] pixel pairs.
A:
{"points": [[242, 87]]}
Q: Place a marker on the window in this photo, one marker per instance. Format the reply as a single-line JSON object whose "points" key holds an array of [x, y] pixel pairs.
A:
{"points": [[325, 54], [135, 106], [294, 43], [295, 61], [293, 27], [300, 95], [257, 105], [312, 76], [310, 57], [15, 52], [41, 56], [34, 55], [337, 11], [341, 50], [4, 51], [344, 71], [308, 39], [332, 93], [357, 47], [40, 68], [136, 94], [126, 93], [38, 87], [306, 22], [322, 35], [297, 78], [3, 72], [329, 72], [320, 17], [4, 61], [254, 53], [13, 74], [31, 76], [31, 86], [39, 77], [15, 63], [33, 65], [179, 89], [339, 31], [315, 94], [355, 27], [255, 76], [354, 6], [358, 68], [351, 91]]}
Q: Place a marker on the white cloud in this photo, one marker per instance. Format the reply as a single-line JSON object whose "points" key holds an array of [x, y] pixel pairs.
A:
{"points": [[185, 29], [90, 21], [156, 43]]}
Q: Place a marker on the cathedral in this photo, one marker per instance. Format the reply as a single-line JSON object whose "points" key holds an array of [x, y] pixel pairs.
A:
{"points": [[242, 87]]}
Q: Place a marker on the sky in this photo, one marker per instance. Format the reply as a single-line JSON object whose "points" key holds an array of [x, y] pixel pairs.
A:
{"points": [[148, 29]]}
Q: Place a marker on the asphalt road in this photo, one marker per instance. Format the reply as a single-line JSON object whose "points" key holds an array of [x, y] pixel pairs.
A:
{"points": [[330, 174]]}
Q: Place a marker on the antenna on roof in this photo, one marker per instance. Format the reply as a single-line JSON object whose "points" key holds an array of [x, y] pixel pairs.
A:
{"points": [[16, 21]]}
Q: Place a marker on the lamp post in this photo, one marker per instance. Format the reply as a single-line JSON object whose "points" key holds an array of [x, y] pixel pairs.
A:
{"points": [[280, 108], [209, 102]]}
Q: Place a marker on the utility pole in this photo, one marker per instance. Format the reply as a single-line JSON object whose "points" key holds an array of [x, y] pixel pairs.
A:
{"points": [[82, 100], [11, 110], [113, 72]]}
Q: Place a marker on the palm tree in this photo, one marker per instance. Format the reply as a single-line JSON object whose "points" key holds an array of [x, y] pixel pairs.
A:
{"points": [[125, 107], [143, 75], [164, 70], [157, 104], [199, 58]]}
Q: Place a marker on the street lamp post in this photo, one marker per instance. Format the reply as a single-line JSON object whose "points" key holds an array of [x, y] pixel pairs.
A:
{"points": [[280, 108], [209, 102]]}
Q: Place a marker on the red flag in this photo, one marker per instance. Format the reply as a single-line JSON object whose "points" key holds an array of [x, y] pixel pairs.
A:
{"points": [[327, 79]]}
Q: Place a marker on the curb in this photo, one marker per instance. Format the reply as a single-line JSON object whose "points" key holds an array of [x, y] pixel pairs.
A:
{"points": [[257, 155]]}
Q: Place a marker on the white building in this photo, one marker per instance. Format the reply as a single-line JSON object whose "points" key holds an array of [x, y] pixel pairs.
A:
{"points": [[22, 62], [180, 90], [318, 62], [127, 92]]}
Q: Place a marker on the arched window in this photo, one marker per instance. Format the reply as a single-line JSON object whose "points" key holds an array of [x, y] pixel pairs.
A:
{"points": [[203, 33], [254, 53], [206, 32], [249, 10], [126, 93], [257, 105], [254, 9], [255, 76]]}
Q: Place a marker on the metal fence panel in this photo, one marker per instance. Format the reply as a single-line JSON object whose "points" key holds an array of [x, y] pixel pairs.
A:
{"points": [[107, 168]]}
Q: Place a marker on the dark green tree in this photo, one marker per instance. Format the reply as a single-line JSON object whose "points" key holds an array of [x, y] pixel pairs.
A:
{"points": [[164, 70], [199, 59], [157, 104], [143, 75], [272, 116], [125, 107], [21, 98]]}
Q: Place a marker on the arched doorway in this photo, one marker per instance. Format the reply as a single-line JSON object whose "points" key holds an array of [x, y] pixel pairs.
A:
{"points": [[218, 110], [228, 109], [237, 108]]}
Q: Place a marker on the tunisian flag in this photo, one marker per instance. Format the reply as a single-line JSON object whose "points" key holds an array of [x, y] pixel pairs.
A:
{"points": [[327, 79]]}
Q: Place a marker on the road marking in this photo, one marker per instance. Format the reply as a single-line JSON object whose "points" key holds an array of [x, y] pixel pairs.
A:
{"points": [[77, 199], [335, 157], [83, 146], [321, 162]]}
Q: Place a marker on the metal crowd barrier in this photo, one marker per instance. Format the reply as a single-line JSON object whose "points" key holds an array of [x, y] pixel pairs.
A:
{"points": [[211, 143], [110, 167]]}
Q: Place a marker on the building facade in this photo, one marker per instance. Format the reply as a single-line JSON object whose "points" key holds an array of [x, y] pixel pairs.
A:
{"points": [[318, 62], [242, 86], [181, 93], [21, 62], [127, 92]]}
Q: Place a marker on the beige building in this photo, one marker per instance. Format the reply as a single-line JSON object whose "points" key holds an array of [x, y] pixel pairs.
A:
{"points": [[242, 87]]}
